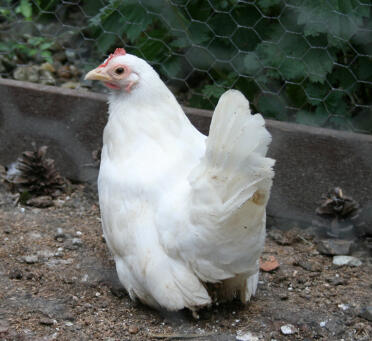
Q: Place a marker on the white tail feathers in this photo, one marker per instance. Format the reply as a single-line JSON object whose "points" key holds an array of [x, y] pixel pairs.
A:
{"points": [[236, 149], [229, 192]]}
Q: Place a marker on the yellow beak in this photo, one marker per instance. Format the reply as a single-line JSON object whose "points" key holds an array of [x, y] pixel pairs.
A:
{"points": [[97, 74]]}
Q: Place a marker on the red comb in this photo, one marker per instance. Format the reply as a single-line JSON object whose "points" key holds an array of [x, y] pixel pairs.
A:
{"points": [[117, 52]]}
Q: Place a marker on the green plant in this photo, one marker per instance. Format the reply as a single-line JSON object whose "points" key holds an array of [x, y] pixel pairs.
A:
{"points": [[301, 55], [318, 63], [26, 46], [25, 8], [32, 46], [30, 7]]}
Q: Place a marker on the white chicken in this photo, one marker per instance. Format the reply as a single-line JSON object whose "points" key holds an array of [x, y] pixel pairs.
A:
{"points": [[180, 210]]}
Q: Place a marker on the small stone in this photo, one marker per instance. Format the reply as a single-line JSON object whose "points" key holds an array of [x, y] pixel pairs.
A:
{"points": [[45, 254], [269, 265], [35, 235], [48, 67], [46, 78], [366, 313], [344, 306], [27, 73], [59, 252], [248, 336], [31, 259], [334, 247], [133, 329], [59, 234], [77, 242], [15, 274], [322, 323], [64, 71], [288, 329], [74, 70], [70, 54], [346, 260], [71, 85], [46, 322]]}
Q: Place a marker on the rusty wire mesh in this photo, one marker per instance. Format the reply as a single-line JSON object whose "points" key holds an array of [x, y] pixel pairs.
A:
{"points": [[307, 61]]}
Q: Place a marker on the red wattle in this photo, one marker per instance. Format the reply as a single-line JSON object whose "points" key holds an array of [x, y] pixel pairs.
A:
{"points": [[112, 86]]}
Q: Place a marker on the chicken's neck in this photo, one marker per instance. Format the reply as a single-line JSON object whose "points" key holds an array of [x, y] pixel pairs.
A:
{"points": [[145, 117]]}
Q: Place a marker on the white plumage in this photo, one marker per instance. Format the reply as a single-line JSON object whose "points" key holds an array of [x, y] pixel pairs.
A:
{"points": [[180, 210]]}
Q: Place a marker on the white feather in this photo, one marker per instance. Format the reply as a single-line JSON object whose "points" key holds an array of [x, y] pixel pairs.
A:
{"points": [[178, 209]]}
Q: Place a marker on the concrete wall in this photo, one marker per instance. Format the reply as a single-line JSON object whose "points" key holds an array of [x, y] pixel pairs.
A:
{"points": [[309, 160]]}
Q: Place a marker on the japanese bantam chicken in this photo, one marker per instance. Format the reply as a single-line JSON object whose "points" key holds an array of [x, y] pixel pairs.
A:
{"points": [[183, 214]]}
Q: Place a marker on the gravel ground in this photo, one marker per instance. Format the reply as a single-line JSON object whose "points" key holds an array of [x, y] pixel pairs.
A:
{"points": [[58, 282]]}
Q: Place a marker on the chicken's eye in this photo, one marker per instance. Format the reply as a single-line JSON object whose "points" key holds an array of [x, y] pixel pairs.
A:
{"points": [[119, 70]]}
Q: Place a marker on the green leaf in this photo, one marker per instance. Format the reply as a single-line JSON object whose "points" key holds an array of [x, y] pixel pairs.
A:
{"points": [[154, 51], [328, 17], [32, 52], [335, 103], [252, 64], [317, 118], [199, 33], [342, 78], [25, 8], [362, 68], [315, 92], [199, 57], [5, 47], [199, 101], [210, 91], [105, 41], [293, 45], [136, 20], [267, 4], [46, 45], [180, 43], [272, 106], [295, 94], [318, 64], [199, 9], [270, 54], [292, 69], [172, 67], [47, 55]]}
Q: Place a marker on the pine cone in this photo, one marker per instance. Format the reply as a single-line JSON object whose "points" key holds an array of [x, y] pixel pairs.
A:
{"points": [[336, 204], [36, 175]]}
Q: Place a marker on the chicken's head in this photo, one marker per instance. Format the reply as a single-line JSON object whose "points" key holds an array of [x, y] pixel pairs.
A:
{"points": [[120, 71]]}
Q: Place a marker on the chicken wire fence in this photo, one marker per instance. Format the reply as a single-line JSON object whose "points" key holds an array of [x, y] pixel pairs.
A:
{"points": [[307, 61]]}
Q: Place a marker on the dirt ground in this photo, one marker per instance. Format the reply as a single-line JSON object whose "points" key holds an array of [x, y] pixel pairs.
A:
{"points": [[58, 282]]}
